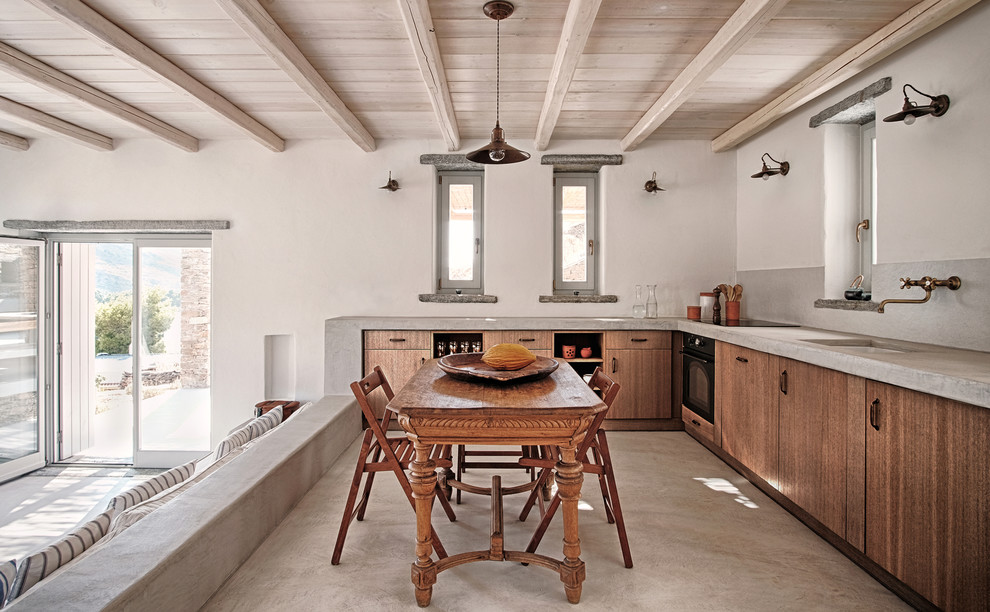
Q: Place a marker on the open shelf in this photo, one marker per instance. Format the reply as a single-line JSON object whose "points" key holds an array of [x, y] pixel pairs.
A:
{"points": [[473, 340], [579, 340]]}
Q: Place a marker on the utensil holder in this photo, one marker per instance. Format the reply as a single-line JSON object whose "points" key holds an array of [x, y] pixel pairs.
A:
{"points": [[732, 311]]}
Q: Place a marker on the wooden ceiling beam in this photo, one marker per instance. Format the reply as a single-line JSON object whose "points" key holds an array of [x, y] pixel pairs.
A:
{"points": [[419, 26], [13, 142], [115, 40], [267, 34], [42, 75], [906, 28], [745, 23], [48, 124], [580, 18]]}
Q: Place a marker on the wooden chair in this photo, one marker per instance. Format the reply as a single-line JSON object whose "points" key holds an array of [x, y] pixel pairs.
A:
{"points": [[380, 453], [600, 463]]}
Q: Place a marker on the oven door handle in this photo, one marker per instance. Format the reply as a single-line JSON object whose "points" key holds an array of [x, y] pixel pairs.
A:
{"points": [[693, 356]]}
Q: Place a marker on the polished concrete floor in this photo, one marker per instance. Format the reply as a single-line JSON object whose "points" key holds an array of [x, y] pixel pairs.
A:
{"points": [[702, 538]]}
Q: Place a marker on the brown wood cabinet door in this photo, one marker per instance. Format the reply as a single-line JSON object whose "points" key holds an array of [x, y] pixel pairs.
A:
{"points": [[644, 376], [398, 366], [812, 459], [531, 339], [746, 407], [928, 494]]}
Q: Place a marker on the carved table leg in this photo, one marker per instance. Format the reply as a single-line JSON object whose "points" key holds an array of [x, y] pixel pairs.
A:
{"points": [[569, 478], [423, 480]]}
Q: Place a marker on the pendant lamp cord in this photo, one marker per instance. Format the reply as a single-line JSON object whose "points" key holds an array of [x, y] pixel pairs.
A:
{"points": [[498, 39]]}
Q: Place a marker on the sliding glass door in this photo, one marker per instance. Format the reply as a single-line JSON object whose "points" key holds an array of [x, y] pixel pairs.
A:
{"points": [[22, 422], [134, 359], [173, 323]]}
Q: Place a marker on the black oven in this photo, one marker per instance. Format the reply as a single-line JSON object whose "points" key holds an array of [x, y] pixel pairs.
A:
{"points": [[698, 386]]}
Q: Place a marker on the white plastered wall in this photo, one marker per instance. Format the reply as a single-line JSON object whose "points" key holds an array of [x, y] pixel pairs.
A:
{"points": [[312, 236], [932, 215]]}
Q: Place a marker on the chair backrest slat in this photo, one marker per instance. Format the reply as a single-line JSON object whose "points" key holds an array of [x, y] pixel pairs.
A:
{"points": [[609, 389], [364, 388]]}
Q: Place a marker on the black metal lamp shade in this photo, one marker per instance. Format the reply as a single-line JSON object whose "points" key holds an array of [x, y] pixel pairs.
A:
{"points": [[910, 111], [766, 172], [497, 151]]}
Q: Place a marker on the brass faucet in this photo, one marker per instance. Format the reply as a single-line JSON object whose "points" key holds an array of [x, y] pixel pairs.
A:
{"points": [[928, 283]]}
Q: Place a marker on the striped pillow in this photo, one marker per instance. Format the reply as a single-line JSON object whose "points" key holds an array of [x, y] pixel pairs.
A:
{"points": [[8, 569], [234, 440], [269, 420], [41, 564], [150, 488]]}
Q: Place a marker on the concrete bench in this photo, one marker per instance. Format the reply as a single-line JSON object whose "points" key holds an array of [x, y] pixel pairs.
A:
{"points": [[180, 554]]}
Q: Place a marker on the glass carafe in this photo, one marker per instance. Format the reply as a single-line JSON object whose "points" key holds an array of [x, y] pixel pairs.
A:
{"points": [[639, 308], [651, 302]]}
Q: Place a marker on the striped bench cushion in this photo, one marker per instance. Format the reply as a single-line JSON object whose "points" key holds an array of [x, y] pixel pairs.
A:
{"points": [[41, 564], [8, 569], [135, 513], [149, 488]]}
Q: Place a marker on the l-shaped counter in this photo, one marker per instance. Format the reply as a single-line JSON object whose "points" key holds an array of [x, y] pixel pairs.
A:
{"points": [[957, 374]]}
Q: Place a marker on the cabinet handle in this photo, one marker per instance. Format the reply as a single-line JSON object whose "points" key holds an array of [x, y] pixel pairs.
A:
{"points": [[615, 365], [696, 423], [639, 339], [783, 382], [742, 359], [527, 340], [396, 339], [422, 360], [875, 414]]}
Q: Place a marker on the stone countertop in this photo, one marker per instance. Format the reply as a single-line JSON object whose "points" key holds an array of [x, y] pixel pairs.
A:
{"points": [[958, 374]]}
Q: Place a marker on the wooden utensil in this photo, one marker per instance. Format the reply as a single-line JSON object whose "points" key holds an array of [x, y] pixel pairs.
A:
{"points": [[736, 293]]}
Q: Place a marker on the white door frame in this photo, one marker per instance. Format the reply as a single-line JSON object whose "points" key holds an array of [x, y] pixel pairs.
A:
{"points": [[140, 458]]}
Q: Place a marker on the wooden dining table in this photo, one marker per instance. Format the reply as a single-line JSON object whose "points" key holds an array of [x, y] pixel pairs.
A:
{"points": [[435, 408]]}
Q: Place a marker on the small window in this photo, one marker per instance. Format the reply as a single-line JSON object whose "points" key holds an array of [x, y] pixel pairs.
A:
{"points": [[459, 252], [868, 204], [575, 240]]}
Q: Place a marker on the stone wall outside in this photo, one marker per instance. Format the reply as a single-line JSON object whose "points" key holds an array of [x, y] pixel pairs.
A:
{"points": [[195, 330]]}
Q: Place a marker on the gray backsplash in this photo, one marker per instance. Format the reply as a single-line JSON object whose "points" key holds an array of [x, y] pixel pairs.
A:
{"points": [[958, 319]]}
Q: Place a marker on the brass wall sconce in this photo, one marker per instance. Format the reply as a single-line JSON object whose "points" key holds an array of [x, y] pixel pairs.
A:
{"points": [[911, 111], [651, 185], [392, 184], [782, 169]]}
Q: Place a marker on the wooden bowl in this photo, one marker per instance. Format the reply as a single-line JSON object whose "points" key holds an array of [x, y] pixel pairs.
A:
{"points": [[470, 367]]}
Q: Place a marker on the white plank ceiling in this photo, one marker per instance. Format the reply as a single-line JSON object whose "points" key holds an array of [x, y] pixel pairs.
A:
{"points": [[631, 52]]}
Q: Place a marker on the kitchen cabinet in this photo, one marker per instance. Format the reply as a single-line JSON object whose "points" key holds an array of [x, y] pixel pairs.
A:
{"points": [[399, 353], [814, 412], [789, 422], [640, 363], [746, 408], [928, 494], [540, 342]]}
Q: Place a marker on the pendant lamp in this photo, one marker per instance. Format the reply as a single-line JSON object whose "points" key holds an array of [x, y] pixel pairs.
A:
{"points": [[497, 151]]}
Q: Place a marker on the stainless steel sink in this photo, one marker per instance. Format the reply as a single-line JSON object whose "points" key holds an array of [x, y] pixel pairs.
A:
{"points": [[862, 345]]}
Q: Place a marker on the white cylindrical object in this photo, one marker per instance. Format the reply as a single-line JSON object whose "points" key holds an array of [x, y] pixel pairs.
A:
{"points": [[707, 302]]}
